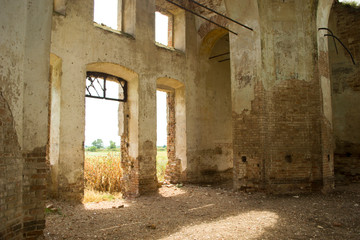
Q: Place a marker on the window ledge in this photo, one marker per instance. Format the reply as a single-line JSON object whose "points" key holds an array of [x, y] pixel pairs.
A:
{"points": [[109, 29], [172, 49]]}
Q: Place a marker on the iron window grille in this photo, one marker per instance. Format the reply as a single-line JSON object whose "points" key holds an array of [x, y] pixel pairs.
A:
{"points": [[101, 86]]}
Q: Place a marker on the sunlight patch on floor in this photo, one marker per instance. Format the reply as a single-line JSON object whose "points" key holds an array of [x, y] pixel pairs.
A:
{"points": [[228, 228], [118, 203], [171, 191]]}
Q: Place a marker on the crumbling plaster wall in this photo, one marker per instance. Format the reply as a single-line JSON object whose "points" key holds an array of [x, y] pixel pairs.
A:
{"points": [[210, 155], [11, 97], [345, 23], [24, 74], [12, 60], [280, 91], [280, 114], [327, 142], [54, 126], [139, 53], [277, 108], [215, 151], [78, 42]]}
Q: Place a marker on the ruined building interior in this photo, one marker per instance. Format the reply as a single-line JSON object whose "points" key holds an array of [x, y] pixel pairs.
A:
{"points": [[279, 113]]}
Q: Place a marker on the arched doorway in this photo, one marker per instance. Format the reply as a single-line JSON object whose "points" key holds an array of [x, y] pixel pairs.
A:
{"points": [[128, 125]]}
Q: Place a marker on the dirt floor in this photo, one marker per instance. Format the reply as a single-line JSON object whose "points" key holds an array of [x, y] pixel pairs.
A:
{"points": [[193, 212]]}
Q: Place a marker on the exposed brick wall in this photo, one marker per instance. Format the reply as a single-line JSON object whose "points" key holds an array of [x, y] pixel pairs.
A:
{"points": [[34, 192], [129, 165], [282, 141], [327, 155], [11, 165], [327, 139], [130, 171], [277, 144], [173, 167], [22, 184], [207, 27], [345, 78], [247, 155], [147, 167], [74, 191], [293, 141]]}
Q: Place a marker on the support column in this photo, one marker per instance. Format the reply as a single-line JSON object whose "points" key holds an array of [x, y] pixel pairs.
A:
{"points": [[36, 115], [147, 134]]}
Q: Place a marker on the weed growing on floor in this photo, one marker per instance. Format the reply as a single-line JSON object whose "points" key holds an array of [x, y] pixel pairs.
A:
{"points": [[51, 210], [96, 196]]}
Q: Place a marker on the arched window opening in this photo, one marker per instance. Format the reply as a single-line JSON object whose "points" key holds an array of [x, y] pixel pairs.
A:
{"points": [[103, 124], [105, 86]]}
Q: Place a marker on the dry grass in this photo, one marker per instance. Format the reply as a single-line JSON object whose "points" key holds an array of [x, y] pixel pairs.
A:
{"points": [[161, 161], [103, 173], [96, 196]]}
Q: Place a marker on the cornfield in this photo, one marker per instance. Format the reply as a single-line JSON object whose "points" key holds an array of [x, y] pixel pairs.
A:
{"points": [[103, 173], [161, 161]]}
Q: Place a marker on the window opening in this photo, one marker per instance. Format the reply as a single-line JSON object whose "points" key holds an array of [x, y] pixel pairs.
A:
{"points": [[161, 157], [163, 28], [108, 13], [102, 165], [105, 86], [351, 2]]}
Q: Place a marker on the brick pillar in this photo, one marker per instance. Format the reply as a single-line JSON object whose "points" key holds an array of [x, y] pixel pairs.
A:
{"points": [[129, 165], [173, 167], [34, 192], [130, 171]]}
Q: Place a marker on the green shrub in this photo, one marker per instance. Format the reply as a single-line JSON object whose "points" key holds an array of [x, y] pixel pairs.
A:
{"points": [[91, 149]]}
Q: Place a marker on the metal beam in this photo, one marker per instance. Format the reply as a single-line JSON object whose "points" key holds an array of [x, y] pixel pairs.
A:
{"points": [[352, 58], [223, 54], [224, 60], [212, 10], [186, 9], [327, 29]]}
